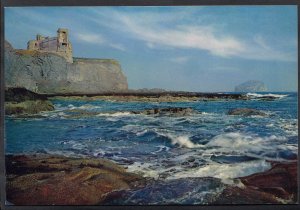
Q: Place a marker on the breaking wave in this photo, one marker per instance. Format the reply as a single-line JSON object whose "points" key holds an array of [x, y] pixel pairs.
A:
{"points": [[116, 114], [257, 95]]}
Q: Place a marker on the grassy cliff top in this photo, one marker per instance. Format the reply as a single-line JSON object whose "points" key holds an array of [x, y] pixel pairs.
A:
{"points": [[103, 60], [36, 53]]}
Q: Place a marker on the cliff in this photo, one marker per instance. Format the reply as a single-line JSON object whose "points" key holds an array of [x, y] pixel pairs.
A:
{"points": [[251, 86], [45, 72]]}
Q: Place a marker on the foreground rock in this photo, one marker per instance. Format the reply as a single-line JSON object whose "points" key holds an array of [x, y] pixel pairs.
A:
{"points": [[277, 185], [55, 180], [171, 111], [21, 101], [183, 191], [246, 112]]}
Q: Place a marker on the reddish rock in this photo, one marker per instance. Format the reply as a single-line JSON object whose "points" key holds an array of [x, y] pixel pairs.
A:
{"points": [[44, 180], [281, 180], [275, 186]]}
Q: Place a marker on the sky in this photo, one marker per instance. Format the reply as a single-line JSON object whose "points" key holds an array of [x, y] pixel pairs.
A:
{"points": [[188, 48]]}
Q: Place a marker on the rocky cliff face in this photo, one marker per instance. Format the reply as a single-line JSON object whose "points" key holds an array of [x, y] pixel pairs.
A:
{"points": [[50, 73], [251, 86]]}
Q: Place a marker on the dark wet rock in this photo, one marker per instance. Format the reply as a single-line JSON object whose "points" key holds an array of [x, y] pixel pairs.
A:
{"points": [[191, 159], [267, 98], [21, 94], [48, 180], [171, 111], [231, 158], [80, 113], [178, 191], [246, 112], [237, 195], [277, 185]]}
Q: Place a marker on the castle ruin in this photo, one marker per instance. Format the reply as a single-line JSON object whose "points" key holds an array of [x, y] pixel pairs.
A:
{"points": [[59, 45]]}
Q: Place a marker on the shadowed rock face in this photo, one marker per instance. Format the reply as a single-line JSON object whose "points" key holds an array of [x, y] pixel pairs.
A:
{"points": [[246, 112], [44, 180], [44, 72], [21, 94]]}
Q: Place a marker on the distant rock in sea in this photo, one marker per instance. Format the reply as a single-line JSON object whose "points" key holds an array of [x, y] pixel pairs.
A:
{"points": [[251, 86]]}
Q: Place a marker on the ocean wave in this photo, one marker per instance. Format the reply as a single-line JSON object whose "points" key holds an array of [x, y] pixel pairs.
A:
{"points": [[115, 114], [226, 172], [272, 147], [181, 140], [257, 95], [240, 141]]}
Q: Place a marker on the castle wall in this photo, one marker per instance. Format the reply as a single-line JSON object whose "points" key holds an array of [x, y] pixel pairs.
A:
{"points": [[59, 45], [49, 44]]}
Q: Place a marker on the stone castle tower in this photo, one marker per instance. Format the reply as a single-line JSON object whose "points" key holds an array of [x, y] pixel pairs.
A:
{"points": [[59, 45]]}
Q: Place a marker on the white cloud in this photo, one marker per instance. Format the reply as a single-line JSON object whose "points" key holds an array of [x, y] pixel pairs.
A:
{"points": [[185, 37], [117, 46], [160, 30], [258, 39], [261, 50], [98, 39], [90, 38]]}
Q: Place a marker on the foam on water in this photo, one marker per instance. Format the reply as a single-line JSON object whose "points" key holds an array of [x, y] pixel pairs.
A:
{"points": [[210, 143], [226, 172], [180, 140], [257, 95], [116, 114]]}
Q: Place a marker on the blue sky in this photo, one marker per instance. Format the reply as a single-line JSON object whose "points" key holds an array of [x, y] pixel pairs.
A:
{"points": [[196, 48]]}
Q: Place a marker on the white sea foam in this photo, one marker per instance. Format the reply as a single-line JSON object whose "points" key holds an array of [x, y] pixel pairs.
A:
{"points": [[71, 106], [116, 114], [226, 172], [289, 126], [162, 148], [250, 145], [181, 140], [144, 169], [257, 95], [240, 141]]}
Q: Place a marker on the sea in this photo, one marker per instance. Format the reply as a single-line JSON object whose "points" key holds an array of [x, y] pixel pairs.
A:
{"points": [[209, 143]]}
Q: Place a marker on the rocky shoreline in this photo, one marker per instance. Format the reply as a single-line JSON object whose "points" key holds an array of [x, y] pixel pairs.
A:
{"points": [[58, 180], [167, 96], [19, 101], [164, 96], [23, 101]]}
